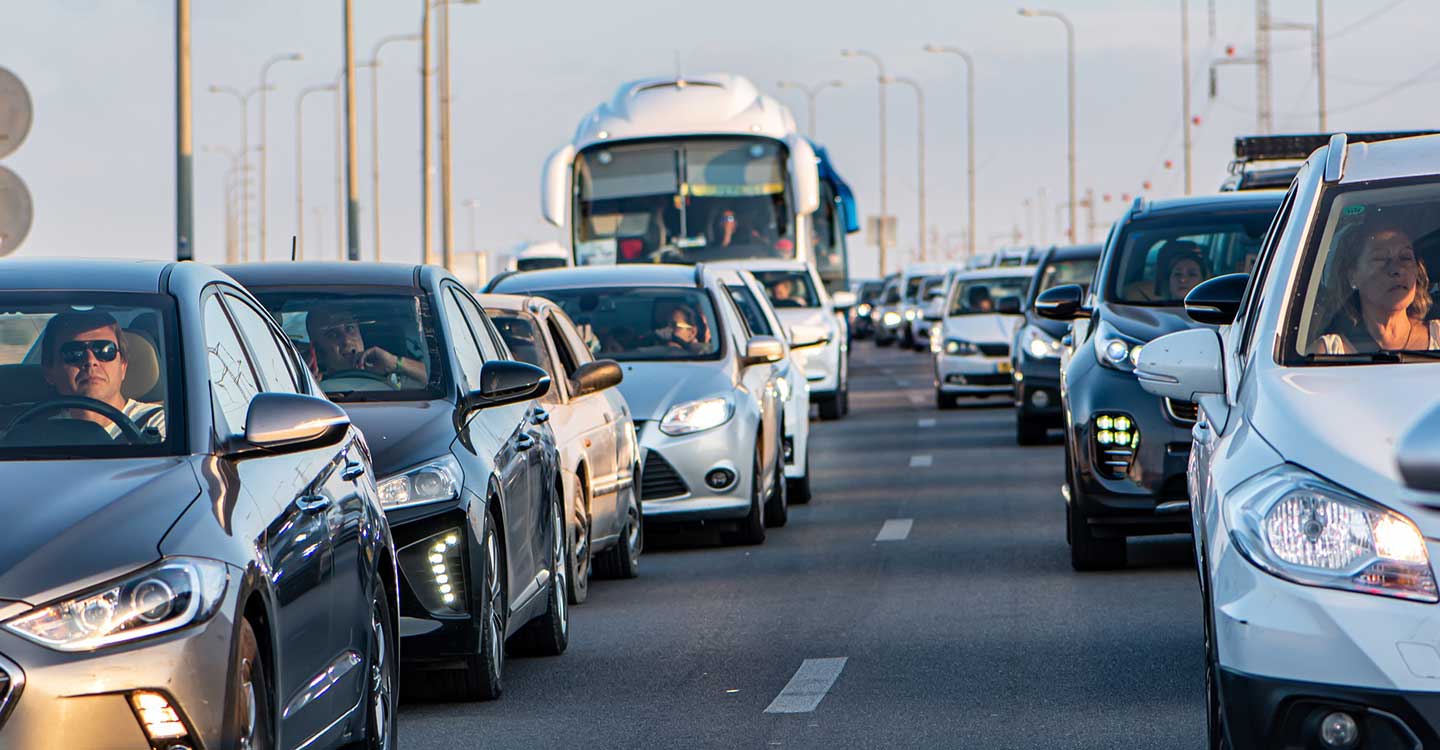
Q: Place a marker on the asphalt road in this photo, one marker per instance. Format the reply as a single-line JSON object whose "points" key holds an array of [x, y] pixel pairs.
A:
{"points": [[967, 629]]}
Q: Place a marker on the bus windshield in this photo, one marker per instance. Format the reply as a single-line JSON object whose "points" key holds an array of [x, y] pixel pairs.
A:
{"points": [[829, 237], [683, 201]]}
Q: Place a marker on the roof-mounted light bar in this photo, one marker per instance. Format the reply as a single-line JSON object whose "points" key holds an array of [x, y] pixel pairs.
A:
{"points": [[1251, 148]]}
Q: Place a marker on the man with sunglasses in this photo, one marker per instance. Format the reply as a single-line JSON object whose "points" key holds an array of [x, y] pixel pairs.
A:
{"points": [[84, 355], [339, 345]]}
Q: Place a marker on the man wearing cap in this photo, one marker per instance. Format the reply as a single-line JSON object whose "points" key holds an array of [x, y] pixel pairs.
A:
{"points": [[339, 345], [84, 355]]}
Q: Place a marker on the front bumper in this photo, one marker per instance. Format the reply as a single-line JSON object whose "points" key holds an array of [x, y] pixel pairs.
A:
{"points": [[822, 369], [673, 487], [431, 637], [1037, 389], [63, 700], [972, 374]]}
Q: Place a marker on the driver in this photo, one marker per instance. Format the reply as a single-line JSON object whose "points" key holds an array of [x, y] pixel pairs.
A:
{"points": [[782, 291], [680, 328], [84, 355], [338, 345]]}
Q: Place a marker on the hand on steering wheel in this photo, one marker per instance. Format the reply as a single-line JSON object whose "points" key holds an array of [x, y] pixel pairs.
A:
{"points": [[128, 429]]}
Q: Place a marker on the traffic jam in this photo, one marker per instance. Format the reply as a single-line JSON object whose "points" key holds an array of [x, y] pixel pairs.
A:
{"points": [[695, 475]]}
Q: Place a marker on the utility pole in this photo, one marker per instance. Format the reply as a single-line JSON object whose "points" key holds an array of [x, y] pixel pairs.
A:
{"points": [[1185, 89], [352, 154], [447, 223], [184, 138], [427, 159], [1320, 62], [265, 145], [884, 166]]}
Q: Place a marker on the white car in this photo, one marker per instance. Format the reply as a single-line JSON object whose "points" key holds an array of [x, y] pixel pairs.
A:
{"points": [[1313, 488], [971, 333], [809, 313]]}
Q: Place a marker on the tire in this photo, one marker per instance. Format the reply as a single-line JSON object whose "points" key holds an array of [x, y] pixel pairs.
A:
{"points": [[252, 716], [381, 702], [799, 488], [623, 560], [1087, 551], [832, 407], [945, 401], [1216, 733], [549, 634], [883, 342], [578, 561], [908, 339], [1029, 431], [777, 506], [752, 528]]}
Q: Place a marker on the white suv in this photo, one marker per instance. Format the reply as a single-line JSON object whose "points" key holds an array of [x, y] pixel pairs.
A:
{"points": [[1314, 490]]}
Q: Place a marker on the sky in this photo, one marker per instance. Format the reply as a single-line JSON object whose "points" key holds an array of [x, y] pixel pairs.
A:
{"points": [[99, 160]]}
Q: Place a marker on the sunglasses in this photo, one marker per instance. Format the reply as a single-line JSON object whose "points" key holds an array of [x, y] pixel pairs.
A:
{"points": [[73, 352]]}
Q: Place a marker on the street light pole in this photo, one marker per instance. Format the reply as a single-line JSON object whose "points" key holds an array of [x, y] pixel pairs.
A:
{"points": [[1070, 100], [264, 149], [920, 118], [1185, 88], [427, 159], [352, 154], [811, 92], [374, 65], [300, 165], [244, 99], [184, 142], [884, 167], [229, 185], [969, 131], [1320, 61]]}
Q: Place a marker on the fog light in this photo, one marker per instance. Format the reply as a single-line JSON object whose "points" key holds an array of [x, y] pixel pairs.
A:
{"points": [[1104, 422], [1038, 399], [1105, 437], [436, 571], [160, 720], [1339, 730], [719, 479]]}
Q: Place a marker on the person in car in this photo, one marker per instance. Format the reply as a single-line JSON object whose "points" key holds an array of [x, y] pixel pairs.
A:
{"points": [[1381, 293], [84, 354], [1179, 267], [782, 293], [680, 328], [339, 345], [978, 300]]}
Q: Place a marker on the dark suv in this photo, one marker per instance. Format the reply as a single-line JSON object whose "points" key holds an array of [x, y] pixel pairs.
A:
{"points": [[1126, 450], [1035, 353]]}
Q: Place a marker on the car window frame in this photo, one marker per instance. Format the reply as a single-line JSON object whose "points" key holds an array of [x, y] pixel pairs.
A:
{"points": [[217, 416], [461, 326], [1253, 300], [287, 354]]}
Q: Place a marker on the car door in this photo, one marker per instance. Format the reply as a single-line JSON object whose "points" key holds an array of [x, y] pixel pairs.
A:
{"points": [[294, 495], [758, 380], [594, 416]]}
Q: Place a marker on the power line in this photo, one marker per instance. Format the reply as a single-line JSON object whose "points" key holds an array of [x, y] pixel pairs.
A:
{"points": [[1366, 19], [1405, 84]]}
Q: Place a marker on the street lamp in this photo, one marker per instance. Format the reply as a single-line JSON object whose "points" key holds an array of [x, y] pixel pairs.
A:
{"points": [[969, 130], [1070, 99], [244, 99], [447, 219], [810, 93], [264, 151], [920, 118], [884, 194], [229, 189], [300, 164], [374, 65]]}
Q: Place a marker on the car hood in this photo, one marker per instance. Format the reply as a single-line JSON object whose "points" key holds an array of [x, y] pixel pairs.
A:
{"points": [[651, 388], [1344, 423], [1145, 324], [807, 322], [983, 328], [403, 434], [73, 524]]}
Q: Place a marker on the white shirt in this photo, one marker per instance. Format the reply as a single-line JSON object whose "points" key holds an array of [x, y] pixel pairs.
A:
{"points": [[137, 409]]}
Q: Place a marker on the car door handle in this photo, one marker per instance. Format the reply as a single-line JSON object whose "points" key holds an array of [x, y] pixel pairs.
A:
{"points": [[353, 470], [541, 416], [524, 443], [312, 503]]}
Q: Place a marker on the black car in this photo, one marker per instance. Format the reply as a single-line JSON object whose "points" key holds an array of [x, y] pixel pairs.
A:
{"points": [[1035, 354], [195, 554], [867, 296], [468, 465], [1126, 451]]}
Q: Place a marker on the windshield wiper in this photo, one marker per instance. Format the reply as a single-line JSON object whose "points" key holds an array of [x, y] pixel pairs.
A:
{"points": [[1424, 354]]}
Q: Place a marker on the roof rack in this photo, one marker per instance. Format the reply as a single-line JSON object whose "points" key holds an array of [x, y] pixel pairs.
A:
{"points": [[1252, 148], [699, 275]]}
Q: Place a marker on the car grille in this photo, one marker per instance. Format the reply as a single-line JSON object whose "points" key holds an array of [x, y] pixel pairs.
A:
{"points": [[660, 480], [994, 350], [1182, 411]]}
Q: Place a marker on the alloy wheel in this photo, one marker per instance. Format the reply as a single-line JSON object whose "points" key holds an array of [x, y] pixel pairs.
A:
{"points": [[560, 588], [380, 685], [495, 624], [247, 690]]}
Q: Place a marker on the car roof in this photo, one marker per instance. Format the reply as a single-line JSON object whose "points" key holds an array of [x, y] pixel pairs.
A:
{"points": [[1384, 160], [328, 273], [763, 264], [631, 274], [1000, 272], [526, 303], [89, 274], [1067, 252], [1211, 203]]}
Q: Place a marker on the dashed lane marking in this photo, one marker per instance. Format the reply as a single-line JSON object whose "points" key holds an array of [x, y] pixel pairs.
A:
{"points": [[920, 462], [804, 691], [895, 530], [925, 423]]}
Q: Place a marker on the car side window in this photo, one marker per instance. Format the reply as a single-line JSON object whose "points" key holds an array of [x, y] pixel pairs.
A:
{"points": [[277, 373], [1250, 305], [492, 346], [232, 381], [562, 348], [467, 352]]}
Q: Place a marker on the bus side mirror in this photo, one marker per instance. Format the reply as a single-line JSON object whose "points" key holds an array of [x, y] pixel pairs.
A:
{"points": [[807, 175], [555, 183]]}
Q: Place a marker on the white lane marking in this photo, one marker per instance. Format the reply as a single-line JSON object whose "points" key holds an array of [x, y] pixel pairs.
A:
{"points": [[920, 462], [804, 691], [926, 423], [895, 530], [917, 399], [903, 383]]}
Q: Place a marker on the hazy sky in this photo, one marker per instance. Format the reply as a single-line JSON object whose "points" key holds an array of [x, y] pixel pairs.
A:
{"points": [[99, 160]]}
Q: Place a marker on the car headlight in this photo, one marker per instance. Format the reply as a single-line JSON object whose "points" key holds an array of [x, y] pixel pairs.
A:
{"points": [[433, 482], [1301, 528], [1040, 344], [1115, 350], [910, 314], [174, 593], [697, 416], [862, 310], [890, 318], [960, 347], [783, 386]]}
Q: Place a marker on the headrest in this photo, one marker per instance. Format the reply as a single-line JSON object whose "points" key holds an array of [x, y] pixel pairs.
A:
{"points": [[143, 366]]}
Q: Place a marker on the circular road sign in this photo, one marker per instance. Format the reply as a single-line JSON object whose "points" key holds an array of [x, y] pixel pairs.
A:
{"points": [[16, 211], [16, 113]]}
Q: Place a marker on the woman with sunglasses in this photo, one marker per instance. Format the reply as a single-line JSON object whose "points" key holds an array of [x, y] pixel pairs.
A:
{"points": [[84, 355]]}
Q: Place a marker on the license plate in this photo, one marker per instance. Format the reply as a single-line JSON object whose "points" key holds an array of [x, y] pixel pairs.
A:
{"points": [[1002, 366]]}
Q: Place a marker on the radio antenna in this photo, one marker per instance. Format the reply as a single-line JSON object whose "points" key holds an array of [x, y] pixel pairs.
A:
{"points": [[293, 242]]}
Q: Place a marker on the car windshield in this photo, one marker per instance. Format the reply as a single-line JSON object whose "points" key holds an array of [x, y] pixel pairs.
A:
{"points": [[933, 285], [363, 345], [641, 324], [1079, 271], [912, 288], [1158, 261], [88, 375], [788, 288], [978, 296], [1365, 289], [870, 292], [892, 293], [521, 335]]}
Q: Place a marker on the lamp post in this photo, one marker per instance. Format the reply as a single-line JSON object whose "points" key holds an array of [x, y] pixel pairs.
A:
{"points": [[447, 198], [184, 144], [374, 65], [969, 131], [427, 159], [920, 118], [229, 189], [264, 151], [300, 164], [244, 99], [811, 92], [884, 193], [1070, 101], [1185, 88]]}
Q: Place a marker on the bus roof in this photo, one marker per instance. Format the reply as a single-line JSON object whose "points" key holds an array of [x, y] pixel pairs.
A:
{"points": [[706, 104]]}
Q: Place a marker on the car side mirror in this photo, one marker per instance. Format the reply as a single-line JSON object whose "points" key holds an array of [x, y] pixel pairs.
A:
{"points": [[1418, 455], [1064, 302], [554, 184], [843, 300], [1008, 305], [291, 422], [505, 382], [592, 377], [763, 350], [808, 343], [1217, 301], [1184, 365], [935, 310]]}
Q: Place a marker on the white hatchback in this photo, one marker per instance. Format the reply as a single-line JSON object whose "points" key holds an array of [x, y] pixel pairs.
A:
{"points": [[1314, 490], [972, 326]]}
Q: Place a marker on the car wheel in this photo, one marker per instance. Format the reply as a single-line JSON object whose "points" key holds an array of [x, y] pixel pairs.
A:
{"points": [[830, 407], [380, 732], [944, 400], [1029, 431], [623, 560], [578, 561], [482, 677], [799, 488], [777, 506], [252, 717], [1087, 551], [752, 528], [549, 634]]}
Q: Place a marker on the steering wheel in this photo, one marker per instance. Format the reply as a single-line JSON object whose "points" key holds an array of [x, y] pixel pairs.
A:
{"points": [[346, 380], [128, 429]]}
